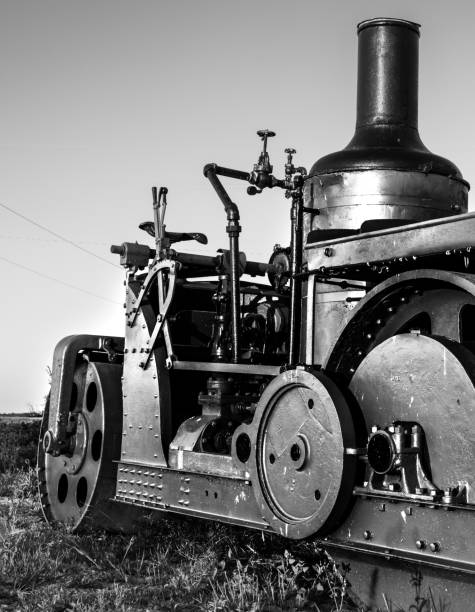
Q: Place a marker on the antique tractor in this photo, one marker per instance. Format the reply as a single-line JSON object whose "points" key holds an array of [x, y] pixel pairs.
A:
{"points": [[334, 399]]}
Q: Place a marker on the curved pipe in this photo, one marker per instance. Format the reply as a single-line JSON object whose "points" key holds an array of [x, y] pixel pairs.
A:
{"points": [[233, 230]]}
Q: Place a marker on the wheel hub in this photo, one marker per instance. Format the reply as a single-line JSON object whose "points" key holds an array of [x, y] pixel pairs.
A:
{"points": [[77, 484]]}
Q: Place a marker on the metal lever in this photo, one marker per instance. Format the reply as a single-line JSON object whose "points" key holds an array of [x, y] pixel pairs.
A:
{"points": [[159, 208]]}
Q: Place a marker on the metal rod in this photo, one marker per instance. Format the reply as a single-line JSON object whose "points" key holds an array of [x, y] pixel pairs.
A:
{"points": [[296, 216]]}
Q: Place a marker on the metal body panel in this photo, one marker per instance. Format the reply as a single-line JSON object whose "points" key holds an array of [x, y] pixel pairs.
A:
{"points": [[415, 240], [329, 307], [409, 532], [345, 200], [227, 499], [146, 430], [381, 582]]}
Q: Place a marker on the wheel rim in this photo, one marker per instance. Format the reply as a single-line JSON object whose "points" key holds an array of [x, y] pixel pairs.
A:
{"points": [[75, 485], [426, 305], [302, 477]]}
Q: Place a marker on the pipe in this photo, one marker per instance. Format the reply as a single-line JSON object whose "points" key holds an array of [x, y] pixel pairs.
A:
{"points": [[296, 247], [233, 230]]}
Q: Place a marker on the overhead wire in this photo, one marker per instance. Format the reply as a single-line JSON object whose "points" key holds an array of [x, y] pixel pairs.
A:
{"points": [[53, 233], [57, 280]]}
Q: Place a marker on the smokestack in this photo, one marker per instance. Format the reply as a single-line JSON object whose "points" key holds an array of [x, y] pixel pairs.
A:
{"points": [[388, 77], [385, 172]]}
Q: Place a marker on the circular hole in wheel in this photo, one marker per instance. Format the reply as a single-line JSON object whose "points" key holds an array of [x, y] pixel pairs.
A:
{"points": [[310, 403], [96, 445], [91, 396], [272, 458], [81, 492], [317, 494], [74, 397], [62, 488], [243, 447], [295, 452]]}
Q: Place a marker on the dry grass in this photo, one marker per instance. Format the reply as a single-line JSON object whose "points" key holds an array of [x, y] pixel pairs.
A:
{"points": [[174, 564], [177, 564]]}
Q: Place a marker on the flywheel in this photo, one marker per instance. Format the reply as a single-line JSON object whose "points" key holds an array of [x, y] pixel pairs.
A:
{"points": [[76, 486], [299, 452]]}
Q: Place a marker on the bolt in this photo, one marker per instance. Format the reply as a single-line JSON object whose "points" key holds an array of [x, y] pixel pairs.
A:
{"points": [[420, 544], [394, 487], [434, 546], [382, 507], [367, 534], [328, 252]]}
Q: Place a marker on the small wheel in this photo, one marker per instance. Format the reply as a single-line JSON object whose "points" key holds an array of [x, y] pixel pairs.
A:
{"points": [[301, 475], [77, 486]]}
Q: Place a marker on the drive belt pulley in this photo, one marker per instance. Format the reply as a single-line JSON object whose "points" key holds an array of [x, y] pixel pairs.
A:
{"points": [[298, 452]]}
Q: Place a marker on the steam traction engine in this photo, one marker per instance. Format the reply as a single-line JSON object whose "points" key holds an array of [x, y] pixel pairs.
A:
{"points": [[336, 400]]}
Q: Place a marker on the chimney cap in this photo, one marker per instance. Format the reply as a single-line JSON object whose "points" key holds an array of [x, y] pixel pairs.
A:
{"points": [[388, 21]]}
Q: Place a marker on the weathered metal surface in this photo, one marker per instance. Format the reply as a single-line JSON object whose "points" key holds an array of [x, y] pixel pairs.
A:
{"points": [[226, 499], [408, 532], [411, 377], [382, 582], [146, 431], [226, 368], [391, 305], [64, 365], [301, 475], [326, 309], [415, 240], [385, 172], [348, 199], [76, 487]]}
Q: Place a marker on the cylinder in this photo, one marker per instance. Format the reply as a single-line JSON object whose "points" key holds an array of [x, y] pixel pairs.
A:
{"points": [[388, 74]]}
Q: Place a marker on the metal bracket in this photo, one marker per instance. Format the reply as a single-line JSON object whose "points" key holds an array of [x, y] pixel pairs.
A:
{"points": [[64, 363]]}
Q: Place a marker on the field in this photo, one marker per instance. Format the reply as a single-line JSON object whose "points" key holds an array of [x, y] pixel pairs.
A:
{"points": [[171, 564]]}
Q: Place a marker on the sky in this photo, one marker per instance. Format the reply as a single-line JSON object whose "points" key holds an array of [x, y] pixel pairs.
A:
{"points": [[101, 99]]}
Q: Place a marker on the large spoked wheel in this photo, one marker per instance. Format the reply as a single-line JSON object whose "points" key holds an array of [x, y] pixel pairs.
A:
{"points": [[408, 354], [76, 487], [435, 303]]}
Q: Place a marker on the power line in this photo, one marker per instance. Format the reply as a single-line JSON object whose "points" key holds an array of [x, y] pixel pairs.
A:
{"points": [[63, 238], [48, 240], [57, 280]]}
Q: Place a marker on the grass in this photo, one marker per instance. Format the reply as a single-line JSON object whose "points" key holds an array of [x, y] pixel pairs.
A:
{"points": [[171, 564], [18, 442], [176, 564]]}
